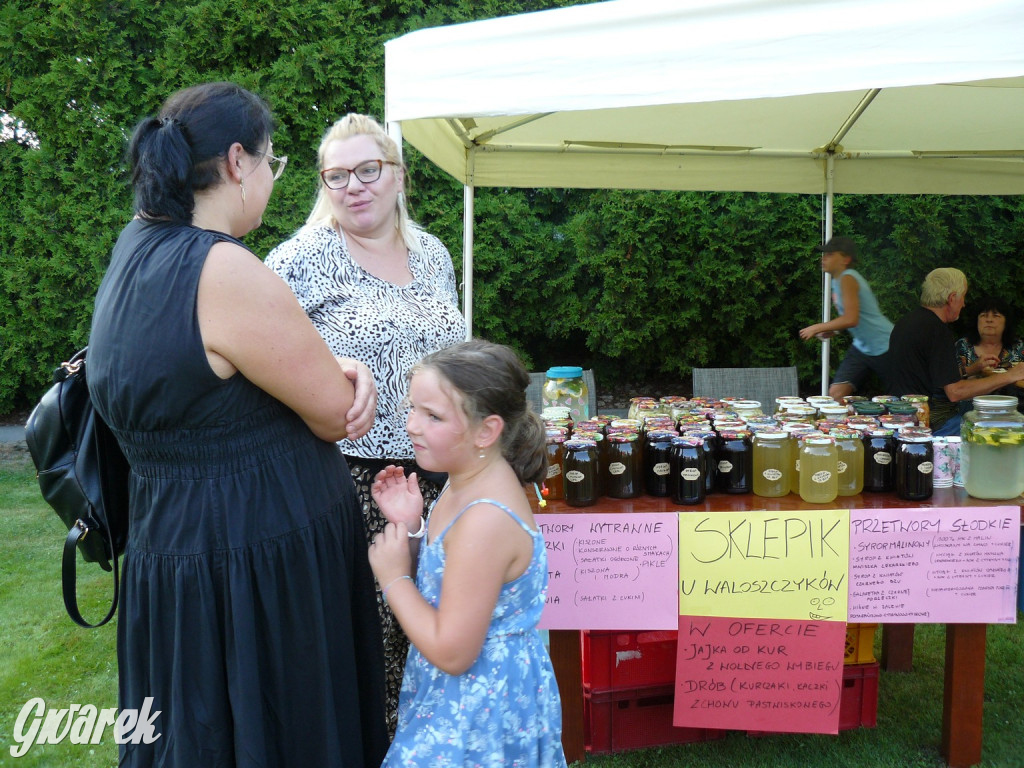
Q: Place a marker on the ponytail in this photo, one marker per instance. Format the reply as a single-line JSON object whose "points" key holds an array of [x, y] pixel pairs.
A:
{"points": [[178, 153]]}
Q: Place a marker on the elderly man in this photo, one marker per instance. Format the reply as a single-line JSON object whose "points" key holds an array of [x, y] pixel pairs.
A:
{"points": [[922, 359]]}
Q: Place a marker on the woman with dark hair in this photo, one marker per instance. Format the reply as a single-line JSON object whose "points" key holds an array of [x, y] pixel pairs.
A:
{"points": [[247, 621], [992, 341]]}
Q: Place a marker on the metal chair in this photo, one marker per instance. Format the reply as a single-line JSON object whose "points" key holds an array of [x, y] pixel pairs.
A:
{"points": [[761, 384]]}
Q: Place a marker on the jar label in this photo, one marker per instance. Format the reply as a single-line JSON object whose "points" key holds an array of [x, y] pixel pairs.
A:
{"points": [[925, 467], [616, 468], [821, 477], [554, 470], [661, 468], [883, 457], [575, 476], [842, 467], [725, 466], [690, 473], [796, 465], [772, 474]]}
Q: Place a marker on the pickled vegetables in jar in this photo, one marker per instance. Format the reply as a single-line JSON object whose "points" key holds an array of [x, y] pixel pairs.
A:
{"points": [[564, 386], [992, 454]]}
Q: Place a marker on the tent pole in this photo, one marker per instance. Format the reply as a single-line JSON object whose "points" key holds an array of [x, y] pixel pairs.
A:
{"points": [[467, 258], [826, 297]]}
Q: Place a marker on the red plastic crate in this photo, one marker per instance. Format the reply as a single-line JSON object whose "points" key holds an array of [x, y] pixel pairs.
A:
{"points": [[614, 721], [858, 707], [614, 660], [858, 703]]}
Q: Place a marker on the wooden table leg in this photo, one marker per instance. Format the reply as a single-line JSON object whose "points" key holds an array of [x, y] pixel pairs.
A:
{"points": [[567, 659], [897, 647], [963, 694]]}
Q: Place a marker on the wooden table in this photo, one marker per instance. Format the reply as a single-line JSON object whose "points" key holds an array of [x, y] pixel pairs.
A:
{"points": [[964, 677]]}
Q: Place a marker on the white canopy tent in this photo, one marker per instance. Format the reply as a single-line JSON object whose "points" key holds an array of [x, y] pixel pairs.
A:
{"points": [[806, 96]]}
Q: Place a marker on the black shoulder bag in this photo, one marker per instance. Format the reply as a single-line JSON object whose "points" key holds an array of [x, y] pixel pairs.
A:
{"points": [[83, 475]]}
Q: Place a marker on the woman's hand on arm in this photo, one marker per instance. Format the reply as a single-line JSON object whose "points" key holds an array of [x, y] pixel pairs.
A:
{"points": [[251, 322], [364, 407]]}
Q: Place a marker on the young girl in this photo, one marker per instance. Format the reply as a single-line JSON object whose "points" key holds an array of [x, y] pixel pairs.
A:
{"points": [[479, 688]]}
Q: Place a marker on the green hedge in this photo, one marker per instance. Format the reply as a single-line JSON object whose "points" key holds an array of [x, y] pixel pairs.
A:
{"points": [[634, 284]]}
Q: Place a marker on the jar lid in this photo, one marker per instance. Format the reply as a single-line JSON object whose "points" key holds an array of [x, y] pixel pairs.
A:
{"points": [[994, 401], [552, 439], [702, 434], [594, 437], [565, 372], [733, 434], [915, 398], [915, 436], [884, 399], [772, 434], [841, 433], [661, 435], [878, 432], [579, 445], [819, 400], [623, 437], [688, 440], [819, 440]]}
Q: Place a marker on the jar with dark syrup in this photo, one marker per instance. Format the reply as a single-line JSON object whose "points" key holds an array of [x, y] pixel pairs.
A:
{"points": [[581, 472], [687, 470], [914, 464]]}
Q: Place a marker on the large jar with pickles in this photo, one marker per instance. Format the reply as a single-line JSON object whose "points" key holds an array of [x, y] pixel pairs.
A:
{"points": [[993, 448]]}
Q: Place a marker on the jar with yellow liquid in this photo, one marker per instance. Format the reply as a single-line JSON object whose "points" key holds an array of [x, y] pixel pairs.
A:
{"points": [[772, 463], [819, 470], [850, 449]]}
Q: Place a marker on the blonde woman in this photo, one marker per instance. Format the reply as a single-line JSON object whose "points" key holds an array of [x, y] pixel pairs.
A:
{"points": [[381, 290]]}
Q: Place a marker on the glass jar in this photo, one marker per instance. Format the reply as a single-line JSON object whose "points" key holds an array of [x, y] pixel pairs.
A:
{"points": [[564, 386], [734, 462], [914, 464], [879, 466], [624, 479], [772, 463], [923, 410], [555, 480], [992, 450], [688, 470], [708, 440], [795, 430], [747, 409], [579, 458], [656, 464], [819, 470], [851, 461]]}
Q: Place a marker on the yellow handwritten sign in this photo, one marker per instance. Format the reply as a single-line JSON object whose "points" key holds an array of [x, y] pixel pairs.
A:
{"points": [[788, 565]]}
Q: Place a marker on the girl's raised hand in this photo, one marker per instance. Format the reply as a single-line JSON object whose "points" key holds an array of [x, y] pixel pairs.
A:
{"points": [[398, 497]]}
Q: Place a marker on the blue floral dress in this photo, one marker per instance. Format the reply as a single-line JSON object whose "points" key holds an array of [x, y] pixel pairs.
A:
{"points": [[504, 710]]}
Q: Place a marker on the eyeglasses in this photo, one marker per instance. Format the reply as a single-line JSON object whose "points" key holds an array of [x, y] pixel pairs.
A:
{"points": [[276, 164], [367, 173]]}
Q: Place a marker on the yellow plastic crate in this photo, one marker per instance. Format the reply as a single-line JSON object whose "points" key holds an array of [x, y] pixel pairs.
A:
{"points": [[860, 644]]}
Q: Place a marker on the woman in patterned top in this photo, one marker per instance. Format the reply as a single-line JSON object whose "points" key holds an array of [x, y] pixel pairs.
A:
{"points": [[381, 290], [990, 343]]}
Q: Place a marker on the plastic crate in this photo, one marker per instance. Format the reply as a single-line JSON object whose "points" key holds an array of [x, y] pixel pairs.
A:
{"points": [[858, 707], [614, 660], [860, 643], [615, 721], [858, 703]]}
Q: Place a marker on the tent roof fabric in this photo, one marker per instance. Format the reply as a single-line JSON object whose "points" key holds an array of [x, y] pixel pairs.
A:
{"points": [[912, 96]]}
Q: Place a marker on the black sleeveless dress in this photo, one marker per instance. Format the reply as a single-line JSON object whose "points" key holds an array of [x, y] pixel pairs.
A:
{"points": [[248, 613]]}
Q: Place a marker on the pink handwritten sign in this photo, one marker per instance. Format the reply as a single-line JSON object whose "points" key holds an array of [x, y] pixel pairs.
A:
{"points": [[945, 565], [759, 674], [611, 571]]}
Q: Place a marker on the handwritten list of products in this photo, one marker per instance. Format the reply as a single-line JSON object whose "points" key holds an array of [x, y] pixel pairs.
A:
{"points": [[608, 571], [947, 565]]}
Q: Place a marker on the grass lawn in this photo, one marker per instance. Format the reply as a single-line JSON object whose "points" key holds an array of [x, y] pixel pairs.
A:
{"points": [[43, 654]]}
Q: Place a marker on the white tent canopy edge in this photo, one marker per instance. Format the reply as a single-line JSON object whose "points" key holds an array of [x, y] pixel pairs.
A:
{"points": [[809, 96]]}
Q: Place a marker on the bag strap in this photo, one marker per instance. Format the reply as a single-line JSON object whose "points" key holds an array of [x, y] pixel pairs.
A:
{"points": [[69, 580]]}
